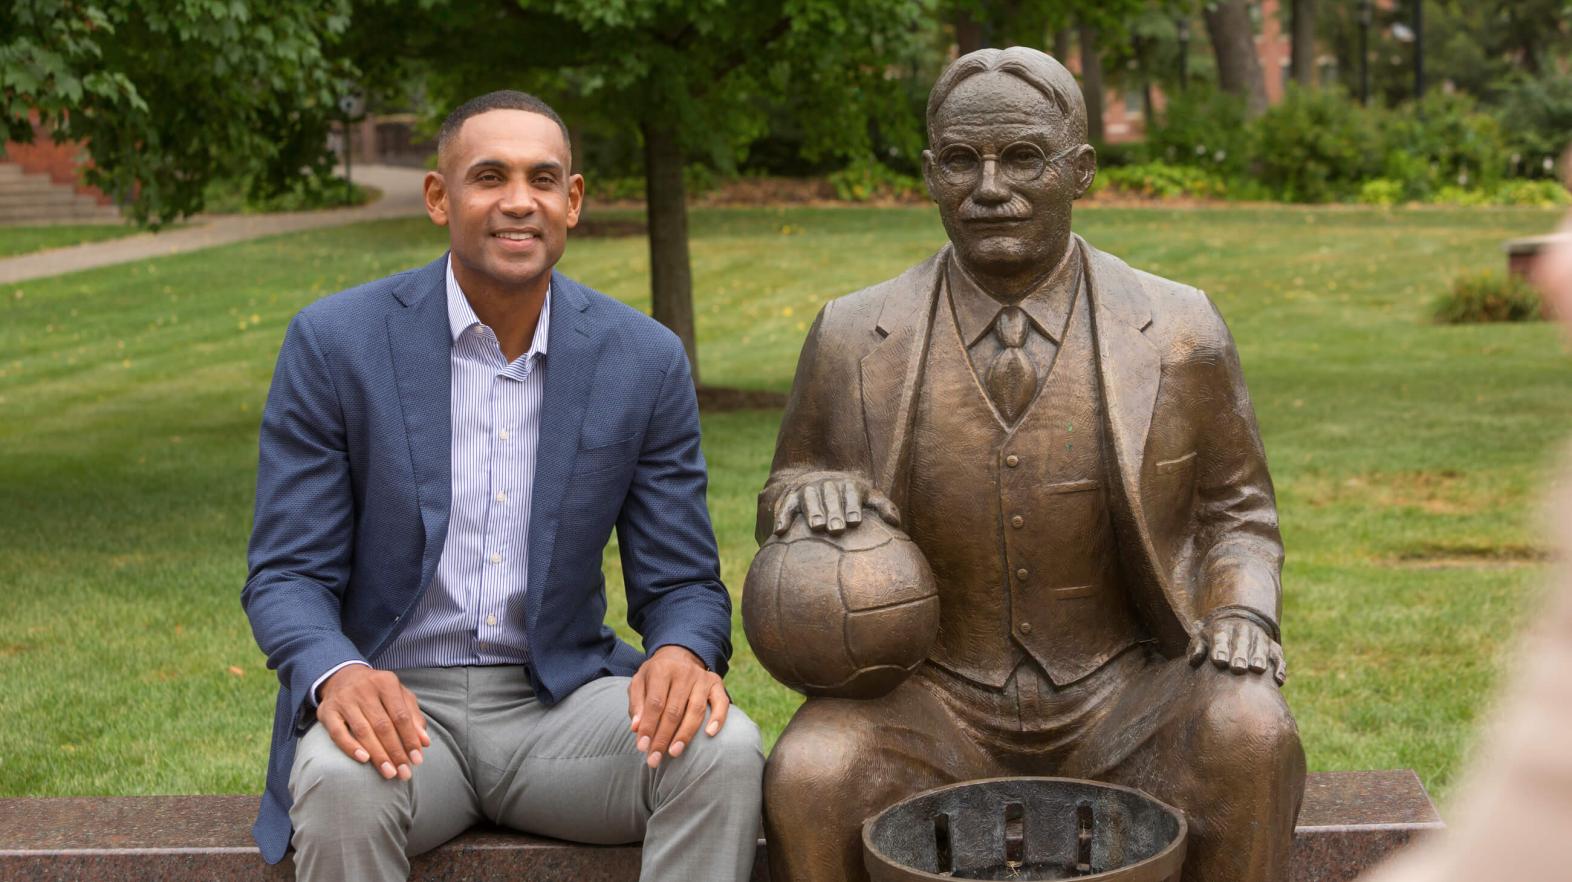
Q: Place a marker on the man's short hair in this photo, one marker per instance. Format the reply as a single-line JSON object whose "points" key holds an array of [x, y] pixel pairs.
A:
{"points": [[502, 99], [1037, 69]]}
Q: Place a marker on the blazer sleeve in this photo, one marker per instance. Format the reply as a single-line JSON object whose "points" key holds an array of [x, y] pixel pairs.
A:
{"points": [[670, 563], [302, 536]]}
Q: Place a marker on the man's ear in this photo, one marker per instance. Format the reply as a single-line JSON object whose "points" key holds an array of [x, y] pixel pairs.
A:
{"points": [[1085, 169], [575, 199], [927, 174], [435, 191]]}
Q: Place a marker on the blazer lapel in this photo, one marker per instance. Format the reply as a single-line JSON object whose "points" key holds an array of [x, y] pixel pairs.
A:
{"points": [[571, 355], [1130, 364], [421, 341], [892, 373]]}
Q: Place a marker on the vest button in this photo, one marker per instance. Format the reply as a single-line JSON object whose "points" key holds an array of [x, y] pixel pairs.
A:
{"points": [[1021, 573], [1026, 627], [1012, 460], [1017, 522]]}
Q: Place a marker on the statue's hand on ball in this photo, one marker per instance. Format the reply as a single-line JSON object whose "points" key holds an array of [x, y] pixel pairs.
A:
{"points": [[836, 604], [832, 501]]}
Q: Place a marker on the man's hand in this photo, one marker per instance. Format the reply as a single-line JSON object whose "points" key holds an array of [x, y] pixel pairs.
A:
{"points": [[666, 702], [832, 501], [1239, 644], [373, 718]]}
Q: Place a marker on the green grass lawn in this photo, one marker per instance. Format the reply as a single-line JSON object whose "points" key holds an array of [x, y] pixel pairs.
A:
{"points": [[1408, 459], [26, 240]]}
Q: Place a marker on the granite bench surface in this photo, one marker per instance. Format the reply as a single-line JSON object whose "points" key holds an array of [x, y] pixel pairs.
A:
{"points": [[1349, 822]]}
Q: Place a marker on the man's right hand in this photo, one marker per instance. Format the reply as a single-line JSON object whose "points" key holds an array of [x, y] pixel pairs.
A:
{"points": [[832, 501], [373, 718]]}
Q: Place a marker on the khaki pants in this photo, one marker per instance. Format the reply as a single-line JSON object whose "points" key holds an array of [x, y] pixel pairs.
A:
{"points": [[570, 772]]}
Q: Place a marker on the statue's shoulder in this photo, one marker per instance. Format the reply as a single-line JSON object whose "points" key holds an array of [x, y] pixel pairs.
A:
{"points": [[1170, 305], [878, 308]]}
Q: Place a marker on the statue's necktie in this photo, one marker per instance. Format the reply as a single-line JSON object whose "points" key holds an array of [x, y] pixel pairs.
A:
{"points": [[1011, 380]]}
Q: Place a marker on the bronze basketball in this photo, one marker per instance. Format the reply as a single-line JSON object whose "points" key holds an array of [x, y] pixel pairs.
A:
{"points": [[846, 616]]}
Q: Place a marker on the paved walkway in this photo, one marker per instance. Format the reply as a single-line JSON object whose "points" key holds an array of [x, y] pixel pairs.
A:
{"points": [[401, 197]]}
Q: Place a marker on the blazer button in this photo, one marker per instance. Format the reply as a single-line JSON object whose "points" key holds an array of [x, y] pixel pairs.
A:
{"points": [[1012, 460], [1017, 522], [1021, 574], [1026, 627]]}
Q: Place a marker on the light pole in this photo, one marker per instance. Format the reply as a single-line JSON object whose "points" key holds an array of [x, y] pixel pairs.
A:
{"points": [[1419, 49], [1184, 54]]}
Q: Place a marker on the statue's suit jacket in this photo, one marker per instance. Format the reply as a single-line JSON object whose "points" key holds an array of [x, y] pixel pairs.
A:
{"points": [[1194, 511], [354, 485]]}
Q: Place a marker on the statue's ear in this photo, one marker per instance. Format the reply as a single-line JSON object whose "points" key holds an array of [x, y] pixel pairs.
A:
{"points": [[927, 174], [1085, 169]]}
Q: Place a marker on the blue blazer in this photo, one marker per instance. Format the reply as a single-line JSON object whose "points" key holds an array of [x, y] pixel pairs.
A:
{"points": [[353, 486]]}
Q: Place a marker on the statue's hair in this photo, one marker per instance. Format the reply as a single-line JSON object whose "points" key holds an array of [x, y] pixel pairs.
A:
{"points": [[1037, 69], [502, 99]]}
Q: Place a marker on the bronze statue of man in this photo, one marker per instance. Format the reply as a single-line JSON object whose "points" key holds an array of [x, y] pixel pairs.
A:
{"points": [[1070, 444]]}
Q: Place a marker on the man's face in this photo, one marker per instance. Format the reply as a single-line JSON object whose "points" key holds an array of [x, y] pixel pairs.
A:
{"points": [[504, 191], [1004, 170]]}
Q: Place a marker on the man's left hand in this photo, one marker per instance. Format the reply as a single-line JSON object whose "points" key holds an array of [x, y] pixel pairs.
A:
{"points": [[667, 700], [1238, 644]]}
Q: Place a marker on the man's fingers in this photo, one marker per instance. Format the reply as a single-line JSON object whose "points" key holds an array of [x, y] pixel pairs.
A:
{"points": [[1244, 636], [813, 507], [394, 726], [670, 718], [635, 699], [720, 704], [365, 733], [692, 716], [834, 514], [413, 703], [1222, 646], [851, 499], [655, 700], [886, 509], [786, 508], [339, 732]]}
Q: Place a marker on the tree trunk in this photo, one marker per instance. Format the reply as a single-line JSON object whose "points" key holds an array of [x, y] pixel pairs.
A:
{"points": [[666, 210], [1061, 44], [1303, 52], [968, 34], [1092, 83], [1233, 41]]}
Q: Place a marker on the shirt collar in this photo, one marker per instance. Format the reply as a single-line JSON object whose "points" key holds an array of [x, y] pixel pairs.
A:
{"points": [[1048, 305], [462, 317]]}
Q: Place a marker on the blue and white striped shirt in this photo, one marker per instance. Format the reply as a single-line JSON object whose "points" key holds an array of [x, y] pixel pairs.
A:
{"points": [[473, 611]]}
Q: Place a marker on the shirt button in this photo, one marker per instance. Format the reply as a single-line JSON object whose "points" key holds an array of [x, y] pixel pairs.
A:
{"points": [[1012, 460], [503, 434], [1026, 627], [491, 620], [502, 496], [1021, 574], [495, 558], [1017, 522]]}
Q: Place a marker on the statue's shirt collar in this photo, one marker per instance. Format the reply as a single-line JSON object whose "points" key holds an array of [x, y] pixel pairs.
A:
{"points": [[1048, 305]]}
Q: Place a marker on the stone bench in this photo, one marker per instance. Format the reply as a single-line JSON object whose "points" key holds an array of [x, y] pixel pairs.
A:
{"points": [[1350, 821]]}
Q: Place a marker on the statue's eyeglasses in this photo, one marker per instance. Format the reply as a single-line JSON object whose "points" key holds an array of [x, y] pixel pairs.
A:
{"points": [[1022, 162]]}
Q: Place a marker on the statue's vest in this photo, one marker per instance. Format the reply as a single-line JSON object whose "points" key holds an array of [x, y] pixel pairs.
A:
{"points": [[1015, 520]]}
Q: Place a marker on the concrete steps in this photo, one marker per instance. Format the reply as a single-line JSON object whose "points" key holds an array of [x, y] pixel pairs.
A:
{"points": [[36, 199]]}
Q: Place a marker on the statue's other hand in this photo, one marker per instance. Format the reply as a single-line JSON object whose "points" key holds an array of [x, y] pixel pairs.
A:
{"points": [[1237, 643], [832, 502]]}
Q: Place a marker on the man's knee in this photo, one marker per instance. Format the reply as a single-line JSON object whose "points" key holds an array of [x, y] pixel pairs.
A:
{"points": [[333, 792], [737, 749]]}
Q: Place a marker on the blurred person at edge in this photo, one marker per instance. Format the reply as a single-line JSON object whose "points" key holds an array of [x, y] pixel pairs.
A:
{"points": [[1514, 811]]}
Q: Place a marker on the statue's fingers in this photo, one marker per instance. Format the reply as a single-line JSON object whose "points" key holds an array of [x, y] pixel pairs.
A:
{"points": [[834, 514], [1258, 657], [851, 498], [886, 509], [1222, 646], [813, 507], [1197, 650], [786, 508], [1279, 664], [1244, 637]]}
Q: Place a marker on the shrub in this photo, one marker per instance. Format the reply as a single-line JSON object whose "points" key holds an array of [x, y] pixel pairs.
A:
{"points": [[867, 179], [1206, 129], [1317, 146], [1536, 117], [1381, 191], [235, 196], [1444, 141], [1541, 193], [1163, 181], [1488, 297]]}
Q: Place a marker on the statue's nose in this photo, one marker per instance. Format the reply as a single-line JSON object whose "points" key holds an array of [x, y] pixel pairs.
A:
{"points": [[990, 187]]}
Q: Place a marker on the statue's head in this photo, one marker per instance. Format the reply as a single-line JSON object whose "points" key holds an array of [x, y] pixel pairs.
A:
{"points": [[1007, 155]]}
